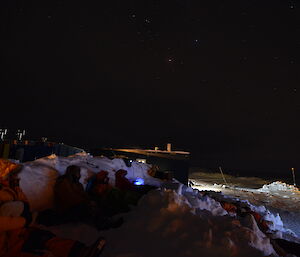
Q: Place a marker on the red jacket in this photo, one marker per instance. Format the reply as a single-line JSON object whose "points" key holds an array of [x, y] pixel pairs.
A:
{"points": [[101, 186]]}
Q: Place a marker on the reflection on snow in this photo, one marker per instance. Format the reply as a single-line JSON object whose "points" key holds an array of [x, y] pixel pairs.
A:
{"points": [[278, 197]]}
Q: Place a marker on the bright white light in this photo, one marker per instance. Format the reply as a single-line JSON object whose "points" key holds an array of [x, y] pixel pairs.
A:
{"points": [[141, 160], [206, 188]]}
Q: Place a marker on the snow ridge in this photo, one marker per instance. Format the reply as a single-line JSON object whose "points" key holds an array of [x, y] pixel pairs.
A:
{"points": [[278, 186], [176, 219]]}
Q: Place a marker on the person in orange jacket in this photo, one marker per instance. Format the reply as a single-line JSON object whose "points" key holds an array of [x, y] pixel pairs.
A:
{"points": [[72, 203], [6, 167], [229, 207], [17, 239], [101, 187], [13, 181], [103, 193], [9, 182], [130, 194]]}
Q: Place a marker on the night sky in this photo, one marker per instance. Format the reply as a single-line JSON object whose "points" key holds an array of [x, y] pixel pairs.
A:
{"points": [[218, 78]]}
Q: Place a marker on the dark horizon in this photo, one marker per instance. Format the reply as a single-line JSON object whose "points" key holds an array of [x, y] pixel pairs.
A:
{"points": [[233, 162], [218, 79]]}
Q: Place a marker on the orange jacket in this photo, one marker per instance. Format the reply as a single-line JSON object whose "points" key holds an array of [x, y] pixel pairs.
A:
{"points": [[229, 207], [7, 167], [9, 227], [101, 187], [9, 194]]}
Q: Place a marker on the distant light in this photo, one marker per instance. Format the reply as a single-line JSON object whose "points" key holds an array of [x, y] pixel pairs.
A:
{"points": [[141, 160], [130, 161], [139, 182]]}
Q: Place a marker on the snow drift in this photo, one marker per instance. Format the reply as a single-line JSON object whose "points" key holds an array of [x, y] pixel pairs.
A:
{"points": [[174, 220], [169, 223], [278, 186], [39, 176]]}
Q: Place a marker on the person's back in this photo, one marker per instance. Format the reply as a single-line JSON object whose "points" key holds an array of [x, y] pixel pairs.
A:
{"points": [[122, 182], [68, 191], [101, 186]]}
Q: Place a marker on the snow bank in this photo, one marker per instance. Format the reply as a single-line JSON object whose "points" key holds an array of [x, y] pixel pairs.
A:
{"points": [[201, 202], [276, 226], [278, 186], [39, 176], [178, 222], [37, 182], [275, 223], [95, 164], [174, 226], [174, 220], [167, 223]]}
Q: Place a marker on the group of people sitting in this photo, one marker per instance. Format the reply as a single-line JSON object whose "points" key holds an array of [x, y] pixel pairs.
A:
{"points": [[21, 237], [95, 205]]}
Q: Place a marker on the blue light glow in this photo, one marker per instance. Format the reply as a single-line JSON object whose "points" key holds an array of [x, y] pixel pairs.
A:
{"points": [[139, 181]]}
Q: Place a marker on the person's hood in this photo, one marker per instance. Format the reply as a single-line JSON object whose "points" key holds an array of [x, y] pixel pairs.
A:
{"points": [[100, 176], [121, 173], [7, 168], [71, 174]]}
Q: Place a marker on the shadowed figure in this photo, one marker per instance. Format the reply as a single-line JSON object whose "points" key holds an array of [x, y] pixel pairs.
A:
{"points": [[72, 203]]}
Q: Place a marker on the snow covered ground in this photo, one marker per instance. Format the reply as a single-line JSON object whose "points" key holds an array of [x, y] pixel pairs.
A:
{"points": [[174, 220], [278, 197]]}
